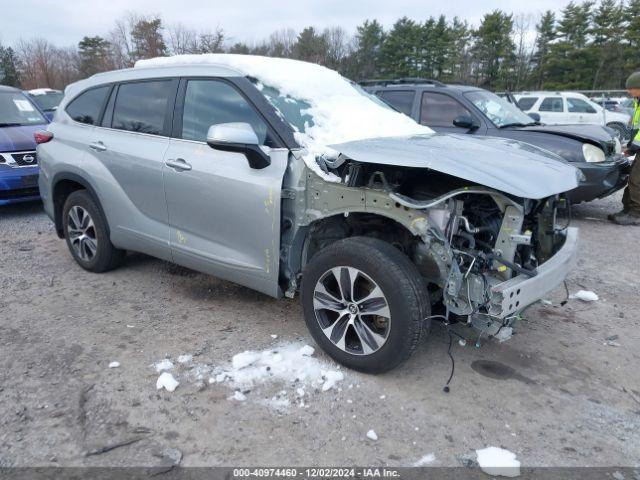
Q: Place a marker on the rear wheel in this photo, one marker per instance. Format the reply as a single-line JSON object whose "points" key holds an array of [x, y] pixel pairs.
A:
{"points": [[85, 230], [365, 304]]}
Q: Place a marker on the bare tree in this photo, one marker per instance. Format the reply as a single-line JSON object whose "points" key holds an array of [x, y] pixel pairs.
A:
{"points": [[182, 39], [44, 65], [336, 40], [281, 43], [522, 30]]}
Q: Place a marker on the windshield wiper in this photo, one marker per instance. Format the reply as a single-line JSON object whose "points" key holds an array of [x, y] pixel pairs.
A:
{"points": [[516, 124], [10, 124]]}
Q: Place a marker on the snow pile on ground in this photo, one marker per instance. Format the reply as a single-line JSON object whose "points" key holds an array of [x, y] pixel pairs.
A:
{"points": [[166, 381], [339, 111], [254, 375], [504, 334], [426, 460], [162, 365], [498, 461], [372, 435], [585, 296], [289, 364], [114, 364]]}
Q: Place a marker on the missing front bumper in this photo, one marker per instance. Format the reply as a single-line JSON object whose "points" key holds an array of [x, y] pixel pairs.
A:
{"points": [[515, 294]]}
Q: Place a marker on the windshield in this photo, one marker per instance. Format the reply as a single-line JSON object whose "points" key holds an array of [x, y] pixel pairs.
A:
{"points": [[48, 101], [498, 110], [16, 110]]}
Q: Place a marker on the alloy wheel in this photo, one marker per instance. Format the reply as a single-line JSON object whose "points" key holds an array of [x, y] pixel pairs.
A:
{"points": [[82, 233], [352, 310]]}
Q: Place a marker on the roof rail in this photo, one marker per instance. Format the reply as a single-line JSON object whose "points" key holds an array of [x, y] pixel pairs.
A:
{"points": [[402, 81]]}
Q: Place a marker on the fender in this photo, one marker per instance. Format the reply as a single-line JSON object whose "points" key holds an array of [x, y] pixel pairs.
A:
{"points": [[57, 205]]}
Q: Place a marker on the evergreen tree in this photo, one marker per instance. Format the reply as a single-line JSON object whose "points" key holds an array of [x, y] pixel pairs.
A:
{"points": [[460, 59], [398, 52], [608, 31], [310, 46], [9, 67], [546, 33], [94, 53], [147, 39], [494, 50], [632, 37], [368, 42]]}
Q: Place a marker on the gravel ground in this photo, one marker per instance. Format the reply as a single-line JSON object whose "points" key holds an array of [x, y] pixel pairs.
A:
{"points": [[563, 391]]}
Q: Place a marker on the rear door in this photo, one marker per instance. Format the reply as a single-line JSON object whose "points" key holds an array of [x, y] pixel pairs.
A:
{"points": [[224, 215], [130, 144]]}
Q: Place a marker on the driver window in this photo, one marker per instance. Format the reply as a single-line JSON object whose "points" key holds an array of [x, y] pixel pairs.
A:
{"points": [[438, 110], [210, 102], [577, 105]]}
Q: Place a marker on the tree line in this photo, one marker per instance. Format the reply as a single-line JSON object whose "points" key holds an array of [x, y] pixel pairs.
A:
{"points": [[588, 45]]}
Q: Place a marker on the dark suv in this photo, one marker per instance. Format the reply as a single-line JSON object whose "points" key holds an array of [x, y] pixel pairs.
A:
{"points": [[595, 150]]}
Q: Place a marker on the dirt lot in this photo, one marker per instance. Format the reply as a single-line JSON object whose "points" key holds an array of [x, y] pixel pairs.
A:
{"points": [[563, 391]]}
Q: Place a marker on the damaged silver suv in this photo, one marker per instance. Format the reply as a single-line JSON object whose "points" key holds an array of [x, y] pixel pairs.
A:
{"points": [[285, 177]]}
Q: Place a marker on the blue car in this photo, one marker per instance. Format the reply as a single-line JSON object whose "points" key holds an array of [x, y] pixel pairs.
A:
{"points": [[20, 118]]}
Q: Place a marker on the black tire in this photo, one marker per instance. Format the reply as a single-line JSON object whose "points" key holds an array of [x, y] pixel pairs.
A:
{"points": [[106, 257], [401, 284]]}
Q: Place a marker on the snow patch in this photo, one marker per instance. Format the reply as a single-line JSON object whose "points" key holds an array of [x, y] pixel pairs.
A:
{"points": [[426, 460], [166, 381], [114, 364], [585, 296], [185, 358], [238, 396], [372, 435], [498, 461], [165, 364], [504, 334]]}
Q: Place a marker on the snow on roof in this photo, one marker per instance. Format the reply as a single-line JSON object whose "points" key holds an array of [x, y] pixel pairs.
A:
{"points": [[41, 91], [341, 112]]}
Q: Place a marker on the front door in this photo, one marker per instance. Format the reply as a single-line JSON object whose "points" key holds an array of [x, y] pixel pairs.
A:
{"points": [[224, 216]]}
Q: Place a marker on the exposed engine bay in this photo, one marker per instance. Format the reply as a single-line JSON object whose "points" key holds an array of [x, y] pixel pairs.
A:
{"points": [[466, 240]]}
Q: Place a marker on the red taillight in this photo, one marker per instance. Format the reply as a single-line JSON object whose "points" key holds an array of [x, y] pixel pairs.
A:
{"points": [[42, 136]]}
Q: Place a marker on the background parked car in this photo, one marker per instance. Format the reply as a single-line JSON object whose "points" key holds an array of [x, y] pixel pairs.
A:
{"points": [[607, 103], [593, 149], [47, 99], [560, 108], [20, 118]]}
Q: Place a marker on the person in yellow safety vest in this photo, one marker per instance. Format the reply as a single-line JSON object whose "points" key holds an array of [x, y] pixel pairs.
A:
{"points": [[630, 214]]}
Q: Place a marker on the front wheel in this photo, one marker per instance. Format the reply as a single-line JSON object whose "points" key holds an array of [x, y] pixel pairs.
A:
{"points": [[365, 304]]}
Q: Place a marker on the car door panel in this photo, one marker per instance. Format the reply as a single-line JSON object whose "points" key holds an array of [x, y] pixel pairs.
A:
{"points": [[224, 215], [131, 144]]}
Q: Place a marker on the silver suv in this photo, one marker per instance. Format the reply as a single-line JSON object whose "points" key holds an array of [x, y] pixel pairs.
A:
{"points": [[285, 177]]}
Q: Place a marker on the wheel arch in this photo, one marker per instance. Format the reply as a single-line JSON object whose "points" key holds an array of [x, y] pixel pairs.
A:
{"points": [[64, 184]]}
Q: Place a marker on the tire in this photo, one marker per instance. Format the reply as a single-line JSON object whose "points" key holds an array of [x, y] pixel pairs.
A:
{"points": [[84, 225], [404, 305]]}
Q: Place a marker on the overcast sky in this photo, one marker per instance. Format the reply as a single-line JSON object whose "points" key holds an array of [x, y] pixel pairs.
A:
{"points": [[66, 22]]}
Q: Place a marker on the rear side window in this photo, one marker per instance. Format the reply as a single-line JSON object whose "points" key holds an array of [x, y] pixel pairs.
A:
{"points": [[142, 106], [525, 103], [86, 107], [210, 102], [551, 104], [440, 110], [401, 100], [576, 105]]}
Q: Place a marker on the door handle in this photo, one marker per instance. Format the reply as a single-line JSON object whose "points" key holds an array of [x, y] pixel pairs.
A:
{"points": [[179, 164], [98, 146]]}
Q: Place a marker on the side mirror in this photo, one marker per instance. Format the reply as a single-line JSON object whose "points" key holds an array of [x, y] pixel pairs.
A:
{"points": [[534, 116], [241, 138], [465, 121]]}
